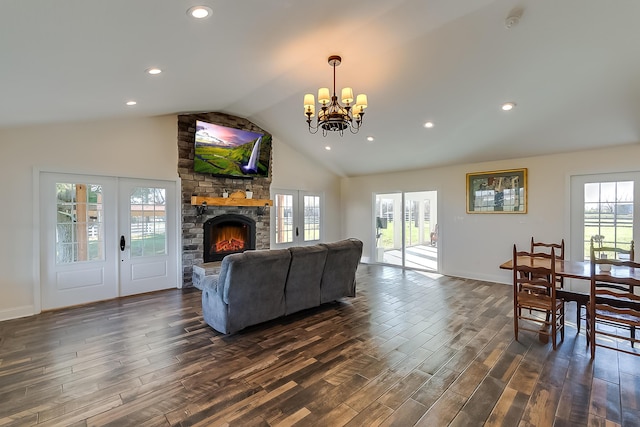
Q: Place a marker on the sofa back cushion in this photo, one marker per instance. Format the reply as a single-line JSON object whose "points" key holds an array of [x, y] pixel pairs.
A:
{"points": [[253, 286], [305, 275], [339, 276]]}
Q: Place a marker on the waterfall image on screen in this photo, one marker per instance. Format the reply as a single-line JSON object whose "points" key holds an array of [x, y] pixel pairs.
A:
{"points": [[252, 166]]}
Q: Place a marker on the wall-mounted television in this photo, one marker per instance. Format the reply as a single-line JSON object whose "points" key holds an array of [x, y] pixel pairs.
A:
{"points": [[225, 151]]}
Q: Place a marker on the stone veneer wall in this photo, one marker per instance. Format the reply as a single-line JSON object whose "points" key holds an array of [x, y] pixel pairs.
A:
{"points": [[196, 184]]}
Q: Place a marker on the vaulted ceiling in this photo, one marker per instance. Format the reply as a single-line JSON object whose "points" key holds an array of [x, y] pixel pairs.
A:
{"points": [[571, 66]]}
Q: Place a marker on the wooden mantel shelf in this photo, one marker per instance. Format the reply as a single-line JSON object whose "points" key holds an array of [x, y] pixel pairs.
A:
{"points": [[228, 201]]}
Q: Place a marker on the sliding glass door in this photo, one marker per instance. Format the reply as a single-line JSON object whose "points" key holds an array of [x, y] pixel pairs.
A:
{"points": [[406, 230]]}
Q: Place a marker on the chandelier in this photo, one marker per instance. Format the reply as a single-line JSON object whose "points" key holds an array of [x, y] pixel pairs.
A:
{"points": [[333, 117]]}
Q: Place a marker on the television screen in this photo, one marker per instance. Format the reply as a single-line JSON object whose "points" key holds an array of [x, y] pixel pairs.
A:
{"points": [[221, 150]]}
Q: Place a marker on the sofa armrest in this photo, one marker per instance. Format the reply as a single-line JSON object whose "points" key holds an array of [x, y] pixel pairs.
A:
{"points": [[211, 283], [214, 309]]}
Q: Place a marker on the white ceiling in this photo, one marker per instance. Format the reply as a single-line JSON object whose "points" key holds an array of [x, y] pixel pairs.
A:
{"points": [[572, 67]]}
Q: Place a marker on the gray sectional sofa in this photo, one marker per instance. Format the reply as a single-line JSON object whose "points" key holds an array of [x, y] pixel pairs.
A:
{"points": [[256, 286]]}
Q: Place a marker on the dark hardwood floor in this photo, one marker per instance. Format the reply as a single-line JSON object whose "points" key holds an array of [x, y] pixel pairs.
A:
{"points": [[410, 349]]}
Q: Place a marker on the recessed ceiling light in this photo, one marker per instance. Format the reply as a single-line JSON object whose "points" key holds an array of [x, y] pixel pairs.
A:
{"points": [[370, 138], [153, 71], [199, 12], [507, 106], [131, 103], [327, 148], [428, 125]]}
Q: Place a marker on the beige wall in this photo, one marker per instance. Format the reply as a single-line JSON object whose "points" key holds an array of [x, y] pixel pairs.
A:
{"points": [[474, 245], [292, 171], [138, 148], [471, 245]]}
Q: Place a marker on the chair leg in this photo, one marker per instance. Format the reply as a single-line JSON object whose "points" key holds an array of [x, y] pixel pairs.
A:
{"points": [[562, 322], [592, 338], [554, 325], [633, 336], [579, 310], [516, 316]]}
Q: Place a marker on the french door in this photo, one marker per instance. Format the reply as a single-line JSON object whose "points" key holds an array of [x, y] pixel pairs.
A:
{"points": [[147, 238], [603, 207], [297, 217], [104, 237], [406, 229]]}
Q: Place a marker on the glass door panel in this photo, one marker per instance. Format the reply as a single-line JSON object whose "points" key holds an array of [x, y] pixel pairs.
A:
{"points": [[419, 243], [283, 206], [388, 249], [608, 214], [148, 221], [311, 221]]}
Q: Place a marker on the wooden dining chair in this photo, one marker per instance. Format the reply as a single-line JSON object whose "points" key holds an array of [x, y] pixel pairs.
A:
{"points": [[534, 297], [611, 252], [546, 249], [614, 308]]}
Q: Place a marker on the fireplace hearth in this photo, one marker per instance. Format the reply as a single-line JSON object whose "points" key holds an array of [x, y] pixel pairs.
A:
{"points": [[228, 234]]}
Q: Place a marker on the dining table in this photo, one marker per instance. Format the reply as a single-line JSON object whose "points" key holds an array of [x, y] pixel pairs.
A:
{"points": [[572, 269], [576, 270]]}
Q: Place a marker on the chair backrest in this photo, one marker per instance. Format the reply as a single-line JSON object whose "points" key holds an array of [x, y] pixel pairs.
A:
{"points": [[613, 300], [611, 252], [537, 274], [558, 248]]}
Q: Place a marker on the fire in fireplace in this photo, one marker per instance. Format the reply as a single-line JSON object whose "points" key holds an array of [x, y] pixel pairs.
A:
{"points": [[228, 234]]}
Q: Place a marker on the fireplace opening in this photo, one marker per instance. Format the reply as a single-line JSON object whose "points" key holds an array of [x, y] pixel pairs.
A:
{"points": [[228, 234]]}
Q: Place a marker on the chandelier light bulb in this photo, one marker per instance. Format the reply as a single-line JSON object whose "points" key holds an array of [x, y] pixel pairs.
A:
{"points": [[347, 96], [323, 96], [361, 101]]}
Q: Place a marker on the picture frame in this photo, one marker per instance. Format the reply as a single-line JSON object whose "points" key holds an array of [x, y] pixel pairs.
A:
{"points": [[501, 191]]}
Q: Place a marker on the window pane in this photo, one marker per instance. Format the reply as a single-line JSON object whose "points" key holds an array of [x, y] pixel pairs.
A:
{"points": [[311, 218], [147, 217], [284, 218], [79, 223], [608, 214]]}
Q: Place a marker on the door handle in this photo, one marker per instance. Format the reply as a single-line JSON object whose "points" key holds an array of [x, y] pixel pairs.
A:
{"points": [[297, 234], [122, 243]]}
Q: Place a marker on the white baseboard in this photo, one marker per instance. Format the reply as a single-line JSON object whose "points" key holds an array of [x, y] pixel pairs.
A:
{"points": [[14, 313]]}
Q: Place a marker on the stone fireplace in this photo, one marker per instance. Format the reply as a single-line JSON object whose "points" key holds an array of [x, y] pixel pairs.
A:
{"points": [[228, 234], [206, 185]]}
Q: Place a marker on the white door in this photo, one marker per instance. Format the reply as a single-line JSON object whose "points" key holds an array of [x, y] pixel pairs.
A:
{"points": [[146, 244], [602, 207], [79, 261], [81, 232], [297, 217]]}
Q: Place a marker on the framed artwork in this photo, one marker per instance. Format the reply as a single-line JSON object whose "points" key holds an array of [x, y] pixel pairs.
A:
{"points": [[502, 191]]}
